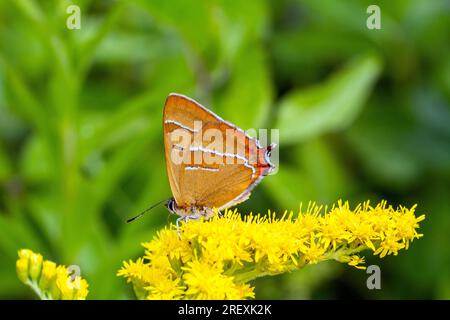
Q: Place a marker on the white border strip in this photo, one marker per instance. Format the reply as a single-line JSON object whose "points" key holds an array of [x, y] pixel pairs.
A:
{"points": [[220, 154], [180, 125], [201, 168]]}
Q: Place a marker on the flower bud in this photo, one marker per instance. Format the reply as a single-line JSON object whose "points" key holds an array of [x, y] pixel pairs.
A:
{"points": [[48, 274], [22, 269], [35, 266]]}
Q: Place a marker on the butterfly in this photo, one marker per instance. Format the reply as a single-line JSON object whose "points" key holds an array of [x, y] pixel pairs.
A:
{"points": [[211, 163]]}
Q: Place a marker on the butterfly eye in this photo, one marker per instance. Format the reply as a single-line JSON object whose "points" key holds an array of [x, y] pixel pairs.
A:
{"points": [[171, 205], [270, 148]]}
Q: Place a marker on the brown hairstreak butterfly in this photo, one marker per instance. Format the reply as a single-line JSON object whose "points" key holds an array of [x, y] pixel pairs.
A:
{"points": [[210, 162]]}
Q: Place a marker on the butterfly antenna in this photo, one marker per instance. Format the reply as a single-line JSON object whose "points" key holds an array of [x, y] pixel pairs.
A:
{"points": [[145, 211]]}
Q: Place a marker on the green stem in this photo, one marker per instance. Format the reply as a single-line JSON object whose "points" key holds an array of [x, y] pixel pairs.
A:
{"points": [[249, 275], [252, 273], [35, 287], [88, 48], [342, 252]]}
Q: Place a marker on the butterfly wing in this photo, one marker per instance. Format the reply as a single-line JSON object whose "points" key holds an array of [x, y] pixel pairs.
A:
{"points": [[179, 116], [221, 164]]}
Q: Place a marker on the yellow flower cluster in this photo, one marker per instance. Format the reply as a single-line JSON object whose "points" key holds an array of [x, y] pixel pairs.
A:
{"points": [[216, 259], [48, 280]]}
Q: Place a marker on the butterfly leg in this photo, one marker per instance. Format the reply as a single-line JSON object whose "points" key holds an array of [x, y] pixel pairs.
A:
{"points": [[178, 226], [194, 216], [185, 219]]}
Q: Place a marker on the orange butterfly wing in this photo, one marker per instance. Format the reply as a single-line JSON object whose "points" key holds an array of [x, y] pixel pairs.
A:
{"points": [[228, 176]]}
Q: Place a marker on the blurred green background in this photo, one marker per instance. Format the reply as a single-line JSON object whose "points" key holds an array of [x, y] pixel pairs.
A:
{"points": [[363, 114]]}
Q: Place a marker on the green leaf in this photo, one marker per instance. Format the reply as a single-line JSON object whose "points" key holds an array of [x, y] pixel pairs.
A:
{"points": [[15, 234], [247, 99], [122, 125], [327, 175], [45, 212], [89, 46], [5, 165], [26, 104], [35, 163], [113, 170], [191, 25], [237, 24], [331, 106], [289, 187], [386, 143]]}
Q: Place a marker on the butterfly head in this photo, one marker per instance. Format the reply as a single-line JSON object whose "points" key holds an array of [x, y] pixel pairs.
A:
{"points": [[267, 154], [171, 206]]}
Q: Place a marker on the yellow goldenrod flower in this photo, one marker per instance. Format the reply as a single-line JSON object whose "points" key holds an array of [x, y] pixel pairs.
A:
{"points": [[48, 280], [207, 281], [165, 289], [22, 269], [48, 274], [356, 261], [217, 258]]}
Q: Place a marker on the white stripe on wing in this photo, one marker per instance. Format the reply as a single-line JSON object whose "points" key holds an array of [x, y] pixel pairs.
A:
{"points": [[180, 125], [226, 154], [201, 168]]}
